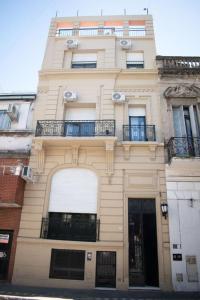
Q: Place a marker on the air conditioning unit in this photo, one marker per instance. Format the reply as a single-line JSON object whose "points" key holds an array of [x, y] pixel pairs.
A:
{"points": [[71, 44], [118, 97], [13, 112], [125, 44], [70, 96], [27, 174], [4, 107]]}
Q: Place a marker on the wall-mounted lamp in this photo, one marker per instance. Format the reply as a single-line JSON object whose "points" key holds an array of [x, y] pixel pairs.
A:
{"points": [[191, 202], [89, 256], [164, 209]]}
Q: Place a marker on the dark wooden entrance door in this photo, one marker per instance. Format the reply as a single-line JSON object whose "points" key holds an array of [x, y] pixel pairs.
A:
{"points": [[143, 258], [106, 269], [5, 249]]}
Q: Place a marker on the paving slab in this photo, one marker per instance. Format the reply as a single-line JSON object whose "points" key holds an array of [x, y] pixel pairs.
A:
{"points": [[16, 292]]}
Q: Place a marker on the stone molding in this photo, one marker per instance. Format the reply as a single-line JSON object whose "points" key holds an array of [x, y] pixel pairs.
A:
{"points": [[182, 91], [40, 155]]}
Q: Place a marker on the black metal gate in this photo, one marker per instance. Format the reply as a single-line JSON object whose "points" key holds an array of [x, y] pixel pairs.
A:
{"points": [[143, 258], [5, 249], [106, 269]]}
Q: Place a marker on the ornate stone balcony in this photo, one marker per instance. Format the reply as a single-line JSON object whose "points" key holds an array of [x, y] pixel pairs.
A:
{"points": [[178, 65]]}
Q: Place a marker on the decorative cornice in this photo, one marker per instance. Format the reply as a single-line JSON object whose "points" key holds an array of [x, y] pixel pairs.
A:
{"points": [[182, 91], [102, 71]]}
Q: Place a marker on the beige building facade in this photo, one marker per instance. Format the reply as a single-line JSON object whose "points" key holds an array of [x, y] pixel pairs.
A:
{"points": [[180, 100], [92, 217]]}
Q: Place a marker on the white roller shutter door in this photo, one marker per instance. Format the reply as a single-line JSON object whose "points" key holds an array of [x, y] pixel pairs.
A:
{"points": [[73, 191], [75, 113]]}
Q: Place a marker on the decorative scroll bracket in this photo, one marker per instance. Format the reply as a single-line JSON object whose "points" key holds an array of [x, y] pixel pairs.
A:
{"points": [[40, 155]]}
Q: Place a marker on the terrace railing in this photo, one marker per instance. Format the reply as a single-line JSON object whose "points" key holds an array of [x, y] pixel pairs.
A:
{"points": [[137, 32]]}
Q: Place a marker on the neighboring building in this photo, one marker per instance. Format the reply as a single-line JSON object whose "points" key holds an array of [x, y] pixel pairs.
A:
{"points": [[180, 98], [93, 216], [15, 145]]}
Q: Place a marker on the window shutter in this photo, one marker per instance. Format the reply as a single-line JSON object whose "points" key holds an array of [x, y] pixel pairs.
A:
{"points": [[78, 57], [136, 111], [74, 191], [134, 56], [80, 114]]}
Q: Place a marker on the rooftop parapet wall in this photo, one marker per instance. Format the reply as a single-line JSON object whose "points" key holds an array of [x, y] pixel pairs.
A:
{"points": [[101, 21]]}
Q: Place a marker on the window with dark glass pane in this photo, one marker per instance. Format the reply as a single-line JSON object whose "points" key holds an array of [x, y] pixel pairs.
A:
{"points": [[67, 264]]}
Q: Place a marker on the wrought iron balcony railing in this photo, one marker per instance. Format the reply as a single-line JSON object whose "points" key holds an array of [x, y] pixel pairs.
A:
{"points": [[55, 229], [183, 147], [75, 128], [139, 133], [178, 64]]}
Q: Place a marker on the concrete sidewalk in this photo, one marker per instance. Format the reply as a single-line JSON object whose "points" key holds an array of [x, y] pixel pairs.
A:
{"points": [[9, 291]]}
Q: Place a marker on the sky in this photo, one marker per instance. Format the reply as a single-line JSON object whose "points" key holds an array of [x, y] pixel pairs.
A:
{"points": [[24, 28]]}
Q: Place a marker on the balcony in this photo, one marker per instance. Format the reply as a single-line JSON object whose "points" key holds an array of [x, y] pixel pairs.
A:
{"points": [[183, 147], [106, 31], [75, 128], [11, 186], [178, 65], [60, 226], [139, 133]]}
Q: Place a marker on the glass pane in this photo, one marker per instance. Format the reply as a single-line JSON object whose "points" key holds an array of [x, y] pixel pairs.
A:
{"points": [[177, 116], [72, 129], [196, 121], [137, 129], [5, 121], [87, 129]]}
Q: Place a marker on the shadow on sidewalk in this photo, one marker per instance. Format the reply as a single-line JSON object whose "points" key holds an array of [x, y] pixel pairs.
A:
{"points": [[17, 292]]}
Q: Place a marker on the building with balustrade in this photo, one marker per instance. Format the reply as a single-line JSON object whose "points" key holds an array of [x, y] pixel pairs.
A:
{"points": [[180, 102], [93, 216], [15, 144]]}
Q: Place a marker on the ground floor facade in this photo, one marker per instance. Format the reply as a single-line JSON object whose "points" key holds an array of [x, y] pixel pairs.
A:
{"points": [[183, 193], [93, 218]]}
